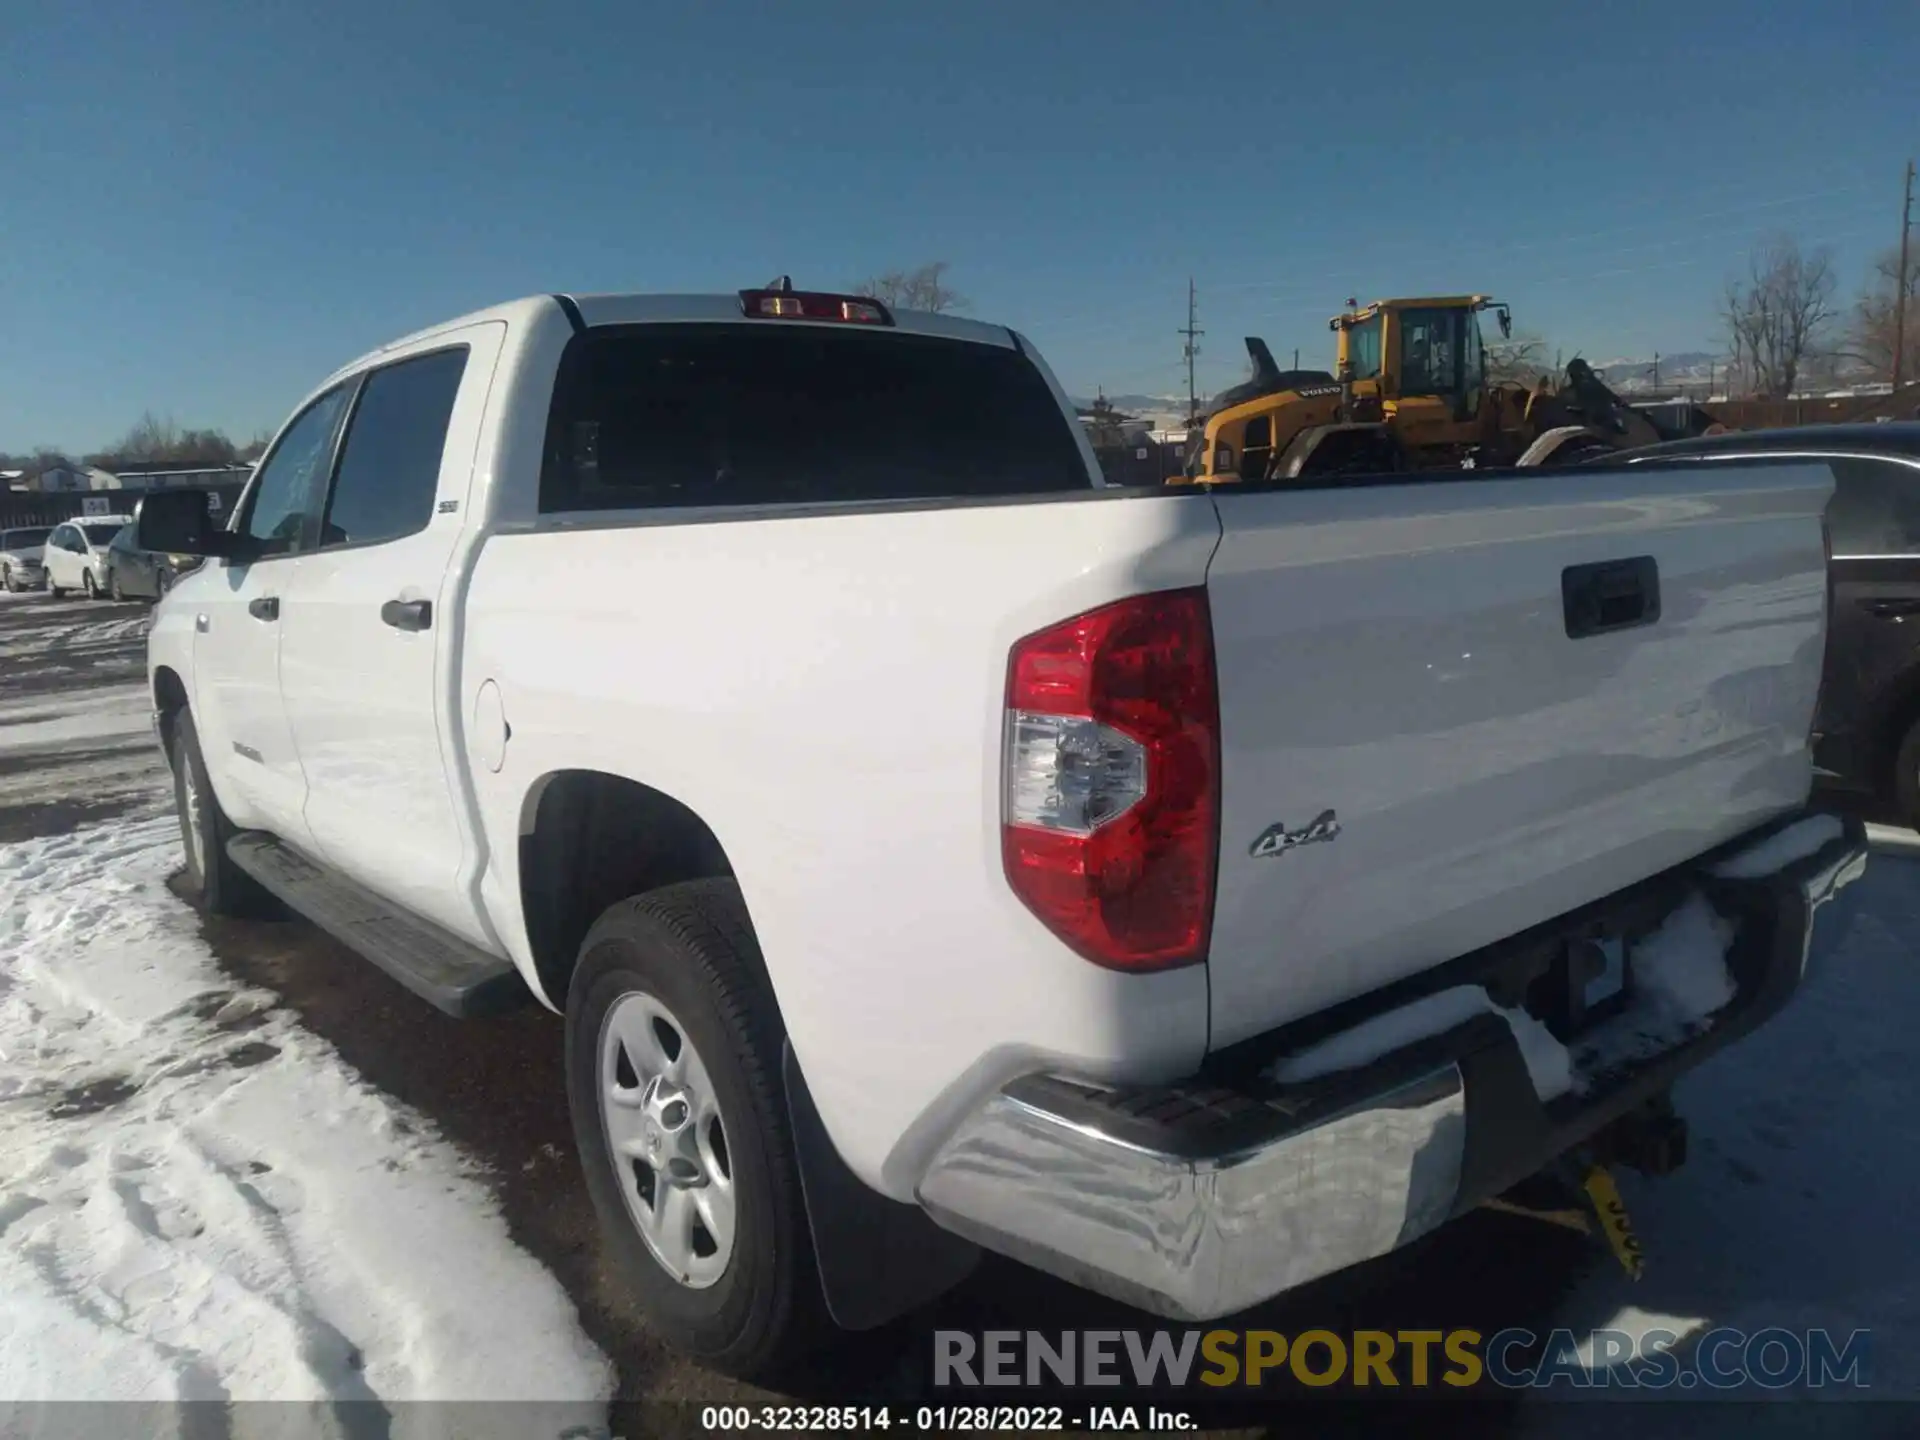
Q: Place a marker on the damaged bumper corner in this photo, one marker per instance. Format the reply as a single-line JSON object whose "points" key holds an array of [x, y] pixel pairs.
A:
{"points": [[1198, 1199]]}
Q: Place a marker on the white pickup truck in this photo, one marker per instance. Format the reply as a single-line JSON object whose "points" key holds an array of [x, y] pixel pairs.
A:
{"points": [[1188, 893]]}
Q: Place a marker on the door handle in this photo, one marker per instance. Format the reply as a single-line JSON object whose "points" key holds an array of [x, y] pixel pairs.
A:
{"points": [[1612, 595], [1891, 609], [407, 614], [267, 607]]}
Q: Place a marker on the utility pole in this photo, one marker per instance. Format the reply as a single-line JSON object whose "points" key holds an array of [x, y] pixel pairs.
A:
{"points": [[1656, 370], [1296, 357], [1900, 287], [1193, 334]]}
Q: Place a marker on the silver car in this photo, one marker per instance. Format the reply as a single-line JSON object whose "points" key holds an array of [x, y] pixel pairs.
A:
{"points": [[20, 565]]}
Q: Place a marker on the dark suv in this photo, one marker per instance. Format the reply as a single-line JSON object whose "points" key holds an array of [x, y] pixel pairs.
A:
{"points": [[1869, 722]]}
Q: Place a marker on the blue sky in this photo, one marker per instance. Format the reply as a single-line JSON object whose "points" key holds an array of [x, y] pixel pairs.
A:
{"points": [[208, 207]]}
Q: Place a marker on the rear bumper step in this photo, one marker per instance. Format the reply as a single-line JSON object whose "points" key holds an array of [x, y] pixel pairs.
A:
{"points": [[1200, 1199], [441, 968]]}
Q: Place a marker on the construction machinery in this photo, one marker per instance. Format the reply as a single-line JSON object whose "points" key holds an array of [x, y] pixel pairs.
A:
{"points": [[1409, 392]]}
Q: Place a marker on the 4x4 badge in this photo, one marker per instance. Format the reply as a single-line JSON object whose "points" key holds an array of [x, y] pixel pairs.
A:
{"points": [[1276, 839]]}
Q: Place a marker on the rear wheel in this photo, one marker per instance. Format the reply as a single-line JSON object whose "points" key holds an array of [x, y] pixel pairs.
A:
{"points": [[220, 886], [673, 1061], [86, 584], [113, 586]]}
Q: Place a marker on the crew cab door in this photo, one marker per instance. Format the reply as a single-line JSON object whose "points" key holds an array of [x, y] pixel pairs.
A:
{"points": [[237, 706], [367, 651]]}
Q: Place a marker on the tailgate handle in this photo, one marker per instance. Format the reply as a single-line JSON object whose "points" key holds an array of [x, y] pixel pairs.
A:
{"points": [[1611, 595]]}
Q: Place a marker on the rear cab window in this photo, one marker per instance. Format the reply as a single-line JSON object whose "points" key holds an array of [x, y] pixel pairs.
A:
{"points": [[753, 413], [389, 467]]}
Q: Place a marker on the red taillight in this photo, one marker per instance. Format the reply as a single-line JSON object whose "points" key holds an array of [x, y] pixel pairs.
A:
{"points": [[812, 305], [1111, 780]]}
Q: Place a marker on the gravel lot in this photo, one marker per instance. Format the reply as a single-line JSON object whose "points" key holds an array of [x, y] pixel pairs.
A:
{"points": [[1792, 1211]]}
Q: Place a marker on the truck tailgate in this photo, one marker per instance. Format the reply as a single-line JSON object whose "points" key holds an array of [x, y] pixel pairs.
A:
{"points": [[1420, 757]]}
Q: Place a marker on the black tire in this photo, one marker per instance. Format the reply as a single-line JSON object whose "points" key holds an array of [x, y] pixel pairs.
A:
{"points": [[54, 590], [88, 588], [212, 879], [691, 948], [113, 587], [162, 583], [6, 579]]}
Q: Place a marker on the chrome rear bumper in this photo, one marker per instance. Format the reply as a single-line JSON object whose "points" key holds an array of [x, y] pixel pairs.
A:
{"points": [[1198, 1200]]}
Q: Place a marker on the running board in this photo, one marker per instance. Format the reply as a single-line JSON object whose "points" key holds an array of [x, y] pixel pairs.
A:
{"points": [[447, 972]]}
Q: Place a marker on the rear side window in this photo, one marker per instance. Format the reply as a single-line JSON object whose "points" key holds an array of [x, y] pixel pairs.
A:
{"points": [[389, 467], [1875, 508], [756, 413]]}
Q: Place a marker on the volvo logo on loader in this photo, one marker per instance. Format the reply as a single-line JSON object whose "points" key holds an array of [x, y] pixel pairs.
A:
{"points": [[1277, 839]]}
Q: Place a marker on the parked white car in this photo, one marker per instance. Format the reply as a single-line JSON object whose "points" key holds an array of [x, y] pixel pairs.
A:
{"points": [[1189, 892], [75, 557], [20, 564]]}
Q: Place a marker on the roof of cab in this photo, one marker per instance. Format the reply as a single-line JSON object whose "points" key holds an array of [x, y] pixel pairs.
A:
{"points": [[642, 309]]}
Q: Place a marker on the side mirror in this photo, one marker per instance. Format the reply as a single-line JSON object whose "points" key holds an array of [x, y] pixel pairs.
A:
{"points": [[180, 522]]}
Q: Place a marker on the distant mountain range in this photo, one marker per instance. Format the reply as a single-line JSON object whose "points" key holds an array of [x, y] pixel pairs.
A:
{"points": [[1691, 368], [1683, 367], [1141, 406]]}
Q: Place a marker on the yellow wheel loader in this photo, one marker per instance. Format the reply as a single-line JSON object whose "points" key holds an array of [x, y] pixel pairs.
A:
{"points": [[1409, 392]]}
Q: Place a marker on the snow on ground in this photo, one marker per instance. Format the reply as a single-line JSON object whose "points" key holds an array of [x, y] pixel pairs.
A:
{"points": [[201, 1200], [1795, 1208]]}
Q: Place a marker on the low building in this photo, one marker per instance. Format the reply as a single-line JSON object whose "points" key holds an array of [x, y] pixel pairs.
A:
{"points": [[174, 475]]}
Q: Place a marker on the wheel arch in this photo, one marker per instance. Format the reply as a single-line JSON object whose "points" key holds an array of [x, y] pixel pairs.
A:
{"points": [[590, 838], [169, 699]]}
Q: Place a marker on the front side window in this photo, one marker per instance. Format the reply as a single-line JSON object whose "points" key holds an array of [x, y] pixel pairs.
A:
{"points": [[389, 467], [1875, 508], [288, 493], [1429, 357], [758, 413], [1363, 348]]}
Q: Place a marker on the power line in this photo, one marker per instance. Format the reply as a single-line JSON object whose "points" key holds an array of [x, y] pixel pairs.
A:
{"points": [[1900, 286], [1330, 281], [1193, 334]]}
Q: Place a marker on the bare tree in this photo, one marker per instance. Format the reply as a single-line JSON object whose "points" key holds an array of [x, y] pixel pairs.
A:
{"points": [[1521, 360], [1106, 426], [1778, 317], [923, 288], [152, 440], [1871, 329]]}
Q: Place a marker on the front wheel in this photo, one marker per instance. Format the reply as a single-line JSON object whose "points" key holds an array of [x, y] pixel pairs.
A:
{"points": [[673, 1063], [220, 886], [56, 591]]}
